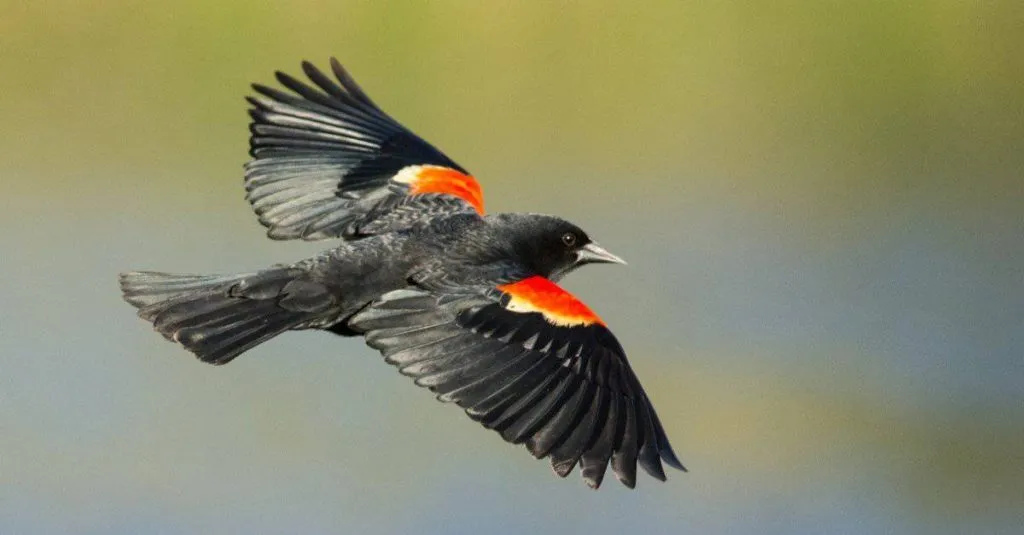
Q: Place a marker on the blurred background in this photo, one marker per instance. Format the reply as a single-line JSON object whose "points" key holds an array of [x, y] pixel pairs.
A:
{"points": [[822, 204]]}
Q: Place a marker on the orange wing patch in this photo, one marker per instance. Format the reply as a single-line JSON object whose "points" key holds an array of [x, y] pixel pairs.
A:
{"points": [[437, 179], [538, 294]]}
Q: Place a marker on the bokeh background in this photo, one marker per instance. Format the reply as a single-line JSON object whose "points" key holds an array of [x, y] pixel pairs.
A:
{"points": [[822, 204]]}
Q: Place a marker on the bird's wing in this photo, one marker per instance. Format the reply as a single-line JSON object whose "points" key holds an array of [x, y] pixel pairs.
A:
{"points": [[327, 162], [533, 363]]}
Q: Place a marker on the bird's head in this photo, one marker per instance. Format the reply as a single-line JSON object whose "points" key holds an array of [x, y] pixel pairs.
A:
{"points": [[552, 247]]}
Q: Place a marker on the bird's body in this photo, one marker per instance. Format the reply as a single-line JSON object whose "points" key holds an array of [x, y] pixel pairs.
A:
{"points": [[466, 303]]}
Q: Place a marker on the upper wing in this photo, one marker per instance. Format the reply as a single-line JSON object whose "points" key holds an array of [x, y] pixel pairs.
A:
{"points": [[327, 162], [531, 362]]}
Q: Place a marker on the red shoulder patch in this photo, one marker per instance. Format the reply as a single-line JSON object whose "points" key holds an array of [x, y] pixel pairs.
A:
{"points": [[437, 179], [538, 294]]}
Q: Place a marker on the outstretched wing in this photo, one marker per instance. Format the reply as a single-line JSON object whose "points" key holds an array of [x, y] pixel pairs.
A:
{"points": [[327, 162], [531, 362]]}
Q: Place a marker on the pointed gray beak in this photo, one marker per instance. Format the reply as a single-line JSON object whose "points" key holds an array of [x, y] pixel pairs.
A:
{"points": [[593, 253]]}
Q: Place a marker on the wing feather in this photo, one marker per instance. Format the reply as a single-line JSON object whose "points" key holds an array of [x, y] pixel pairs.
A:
{"points": [[556, 381], [489, 411], [327, 162], [488, 383]]}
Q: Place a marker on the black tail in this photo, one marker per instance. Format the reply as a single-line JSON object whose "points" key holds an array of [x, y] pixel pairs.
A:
{"points": [[219, 317]]}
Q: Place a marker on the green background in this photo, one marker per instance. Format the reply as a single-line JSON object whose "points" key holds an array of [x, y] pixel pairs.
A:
{"points": [[822, 204]]}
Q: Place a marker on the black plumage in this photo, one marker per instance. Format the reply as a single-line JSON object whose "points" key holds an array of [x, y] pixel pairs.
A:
{"points": [[464, 303]]}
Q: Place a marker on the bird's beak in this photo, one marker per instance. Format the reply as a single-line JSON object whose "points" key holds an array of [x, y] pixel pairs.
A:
{"points": [[593, 253]]}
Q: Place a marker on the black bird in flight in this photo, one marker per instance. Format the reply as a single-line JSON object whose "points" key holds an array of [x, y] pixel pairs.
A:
{"points": [[465, 303]]}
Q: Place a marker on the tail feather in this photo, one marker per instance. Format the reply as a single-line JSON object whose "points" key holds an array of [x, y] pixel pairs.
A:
{"points": [[208, 311], [220, 343], [144, 288], [219, 317]]}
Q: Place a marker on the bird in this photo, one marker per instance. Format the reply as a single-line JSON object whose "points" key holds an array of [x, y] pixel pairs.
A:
{"points": [[465, 302]]}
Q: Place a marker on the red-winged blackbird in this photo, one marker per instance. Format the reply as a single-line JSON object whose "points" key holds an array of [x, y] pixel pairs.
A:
{"points": [[465, 303]]}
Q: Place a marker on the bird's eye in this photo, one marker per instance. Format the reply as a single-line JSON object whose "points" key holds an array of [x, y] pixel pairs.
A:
{"points": [[569, 239]]}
